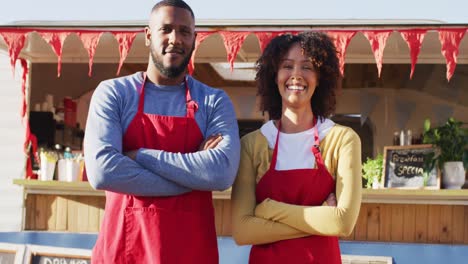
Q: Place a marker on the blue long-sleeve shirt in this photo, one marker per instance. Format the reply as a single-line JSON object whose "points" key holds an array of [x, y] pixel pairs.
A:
{"points": [[155, 172]]}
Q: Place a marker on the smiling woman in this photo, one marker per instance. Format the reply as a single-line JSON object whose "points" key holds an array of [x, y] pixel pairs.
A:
{"points": [[299, 181], [297, 78]]}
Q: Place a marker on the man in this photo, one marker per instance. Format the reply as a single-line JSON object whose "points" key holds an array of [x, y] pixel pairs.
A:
{"points": [[145, 146]]}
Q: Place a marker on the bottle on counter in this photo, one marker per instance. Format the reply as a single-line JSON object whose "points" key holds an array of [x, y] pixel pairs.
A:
{"points": [[59, 150], [67, 154], [409, 137], [402, 138], [396, 139]]}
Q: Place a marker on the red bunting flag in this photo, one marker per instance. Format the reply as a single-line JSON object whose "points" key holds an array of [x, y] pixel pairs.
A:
{"points": [[233, 41], [15, 42], [125, 40], [30, 141], [414, 39], [265, 37], [201, 36], [90, 41], [24, 107], [377, 40], [341, 40], [450, 40], [56, 40]]}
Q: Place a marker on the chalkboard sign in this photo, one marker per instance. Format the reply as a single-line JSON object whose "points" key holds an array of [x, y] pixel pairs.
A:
{"points": [[57, 255], [403, 167], [11, 253]]}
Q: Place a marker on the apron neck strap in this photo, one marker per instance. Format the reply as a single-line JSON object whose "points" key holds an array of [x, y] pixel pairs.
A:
{"points": [[191, 105], [141, 100], [316, 147]]}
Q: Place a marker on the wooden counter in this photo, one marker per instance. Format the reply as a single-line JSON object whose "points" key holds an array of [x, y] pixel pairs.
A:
{"points": [[75, 188], [392, 196], [393, 215]]}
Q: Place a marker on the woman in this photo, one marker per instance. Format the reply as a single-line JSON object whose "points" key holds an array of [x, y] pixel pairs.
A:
{"points": [[297, 159]]}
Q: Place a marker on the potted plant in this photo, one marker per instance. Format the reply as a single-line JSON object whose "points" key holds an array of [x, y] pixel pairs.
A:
{"points": [[451, 141], [372, 171]]}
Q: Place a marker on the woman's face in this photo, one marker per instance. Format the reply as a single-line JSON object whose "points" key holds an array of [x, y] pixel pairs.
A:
{"points": [[296, 78]]}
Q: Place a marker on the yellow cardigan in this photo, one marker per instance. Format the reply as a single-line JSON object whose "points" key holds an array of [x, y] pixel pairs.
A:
{"points": [[272, 221]]}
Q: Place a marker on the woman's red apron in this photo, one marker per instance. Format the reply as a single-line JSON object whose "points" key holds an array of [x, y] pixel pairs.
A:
{"points": [[300, 187], [174, 229]]}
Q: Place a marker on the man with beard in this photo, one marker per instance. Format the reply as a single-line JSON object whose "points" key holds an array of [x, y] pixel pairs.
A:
{"points": [[158, 142]]}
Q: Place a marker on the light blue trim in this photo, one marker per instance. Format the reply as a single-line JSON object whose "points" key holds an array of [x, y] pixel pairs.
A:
{"points": [[230, 253]]}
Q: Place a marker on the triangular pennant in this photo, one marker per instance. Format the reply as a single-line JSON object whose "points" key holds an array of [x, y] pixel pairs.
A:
{"points": [[24, 104], [56, 40], [265, 37], [403, 109], [233, 41], [377, 40], [15, 42], [450, 40], [125, 40], [414, 39], [368, 103], [90, 41], [442, 113], [201, 36], [341, 40], [30, 141]]}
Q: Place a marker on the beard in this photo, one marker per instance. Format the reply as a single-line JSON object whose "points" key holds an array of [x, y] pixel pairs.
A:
{"points": [[172, 71]]}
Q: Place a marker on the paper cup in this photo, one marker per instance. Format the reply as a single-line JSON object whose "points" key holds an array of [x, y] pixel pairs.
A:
{"points": [[68, 170], [47, 170]]}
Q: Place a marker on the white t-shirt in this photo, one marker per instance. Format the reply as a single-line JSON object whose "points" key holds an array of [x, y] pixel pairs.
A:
{"points": [[294, 150]]}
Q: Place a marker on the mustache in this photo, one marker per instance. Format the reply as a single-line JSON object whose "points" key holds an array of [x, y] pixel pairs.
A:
{"points": [[174, 50]]}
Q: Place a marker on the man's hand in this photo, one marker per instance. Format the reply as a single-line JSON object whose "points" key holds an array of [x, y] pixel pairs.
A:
{"points": [[210, 142], [131, 154], [331, 200]]}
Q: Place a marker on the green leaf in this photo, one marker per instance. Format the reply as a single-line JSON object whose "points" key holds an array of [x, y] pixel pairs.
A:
{"points": [[427, 124]]}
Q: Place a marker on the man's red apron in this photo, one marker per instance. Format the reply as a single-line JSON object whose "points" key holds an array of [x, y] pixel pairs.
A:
{"points": [[301, 187], [175, 229]]}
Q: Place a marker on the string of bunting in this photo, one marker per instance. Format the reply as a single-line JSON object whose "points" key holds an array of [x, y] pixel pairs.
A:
{"points": [[449, 38]]}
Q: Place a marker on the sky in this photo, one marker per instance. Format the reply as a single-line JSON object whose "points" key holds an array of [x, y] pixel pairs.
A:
{"points": [[446, 11]]}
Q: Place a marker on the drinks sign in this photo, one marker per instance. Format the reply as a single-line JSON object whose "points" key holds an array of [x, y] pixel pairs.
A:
{"points": [[56, 255], [404, 167]]}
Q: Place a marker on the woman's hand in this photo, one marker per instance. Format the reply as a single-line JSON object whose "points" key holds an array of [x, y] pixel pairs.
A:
{"points": [[331, 200]]}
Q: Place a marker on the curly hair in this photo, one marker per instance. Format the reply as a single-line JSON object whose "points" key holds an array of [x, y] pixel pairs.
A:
{"points": [[319, 48]]}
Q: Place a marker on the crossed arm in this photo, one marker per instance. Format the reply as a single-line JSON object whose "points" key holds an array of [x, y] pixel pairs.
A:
{"points": [[172, 173], [107, 168], [272, 221], [210, 169]]}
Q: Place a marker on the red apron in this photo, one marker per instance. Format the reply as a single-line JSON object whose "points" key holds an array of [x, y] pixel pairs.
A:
{"points": [[301, 187], [174, 229]]}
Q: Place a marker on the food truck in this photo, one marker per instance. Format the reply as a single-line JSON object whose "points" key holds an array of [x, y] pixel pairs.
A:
{"points": [[395, 74]]}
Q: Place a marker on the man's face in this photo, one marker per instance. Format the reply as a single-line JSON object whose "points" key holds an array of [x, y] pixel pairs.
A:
{"points": [[171, 38]]}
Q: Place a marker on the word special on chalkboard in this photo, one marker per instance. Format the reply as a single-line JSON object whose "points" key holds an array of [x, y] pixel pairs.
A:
{"points": [[404, 168], [11, 253], [55, 255]]}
